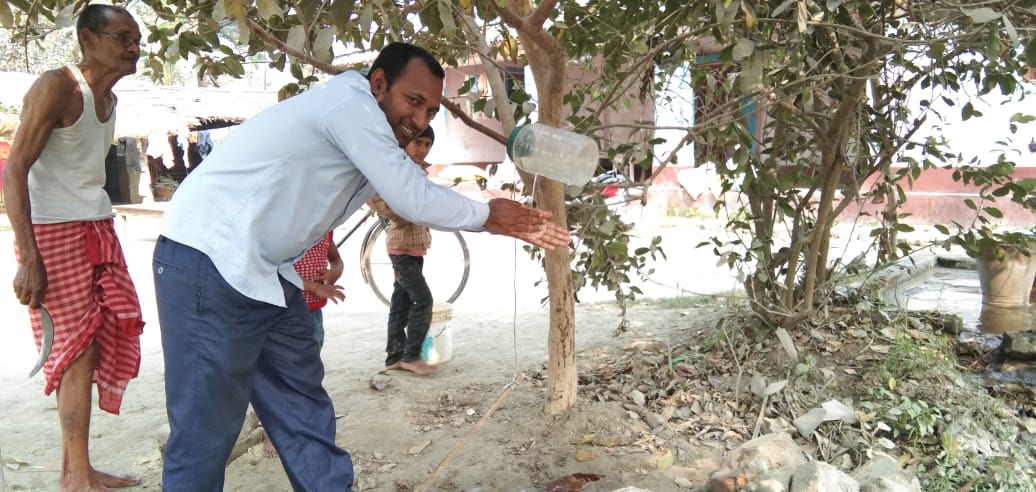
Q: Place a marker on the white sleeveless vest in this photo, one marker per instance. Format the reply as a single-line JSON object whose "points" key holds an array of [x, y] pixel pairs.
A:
{"points": [[66, 183]]}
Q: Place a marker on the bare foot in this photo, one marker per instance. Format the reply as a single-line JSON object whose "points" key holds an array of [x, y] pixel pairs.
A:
{"points": [[268, 449], [114, 481], [92, 487], [91, 484], [419, 367]]}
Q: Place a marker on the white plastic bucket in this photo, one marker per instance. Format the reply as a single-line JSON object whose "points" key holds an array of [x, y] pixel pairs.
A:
{"points": [[438, 343]]}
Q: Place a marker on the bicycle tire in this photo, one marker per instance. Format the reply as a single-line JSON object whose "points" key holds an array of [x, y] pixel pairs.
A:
{"points": [[445, 284]]}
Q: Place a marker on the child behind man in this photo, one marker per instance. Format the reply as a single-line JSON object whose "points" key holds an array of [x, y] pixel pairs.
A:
{"points": [[319, 268], [410, 313]]}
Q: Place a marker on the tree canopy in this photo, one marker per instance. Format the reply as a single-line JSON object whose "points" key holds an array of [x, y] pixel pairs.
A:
{"points": [[799, 103]]}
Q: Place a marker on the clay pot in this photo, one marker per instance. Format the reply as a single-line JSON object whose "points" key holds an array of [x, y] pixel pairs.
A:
{"points": [[1007, 282]]}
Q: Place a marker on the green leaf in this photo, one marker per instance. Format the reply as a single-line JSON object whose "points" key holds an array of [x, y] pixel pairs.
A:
{"points": [[63, 18], [269, 8], [219, 11], [967, 111], [993, 212], [982, 15], [742, 49], [993, 45], [341, 10], [1030, 53], [244, 34], [307, 10], [1011, 31], [322, 44], [430, 19], [751, 74], [666, 460], [802, 16], [6, 19], [235, 8], [781, 8], [234, 66], [750, 18], [1022, 118], [297, 38], [449, 26], [727, 54], [970, 204], [366, 16]]}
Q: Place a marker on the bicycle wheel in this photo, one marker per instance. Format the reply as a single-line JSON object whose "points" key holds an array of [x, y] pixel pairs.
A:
{"points": [[446, 266]]}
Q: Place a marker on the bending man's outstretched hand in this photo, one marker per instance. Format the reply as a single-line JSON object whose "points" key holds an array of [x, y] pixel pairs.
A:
{"points": [[532, 225]]}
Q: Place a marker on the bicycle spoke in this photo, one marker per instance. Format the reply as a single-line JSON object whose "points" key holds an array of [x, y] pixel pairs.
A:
{"points": [[446, 266]]}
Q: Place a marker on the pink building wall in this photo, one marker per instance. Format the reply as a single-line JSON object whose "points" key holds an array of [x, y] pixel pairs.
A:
{"points": [[456, 143]]}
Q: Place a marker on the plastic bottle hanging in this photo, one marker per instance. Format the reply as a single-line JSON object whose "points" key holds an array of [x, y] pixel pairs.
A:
{"points": [[553, 153]]}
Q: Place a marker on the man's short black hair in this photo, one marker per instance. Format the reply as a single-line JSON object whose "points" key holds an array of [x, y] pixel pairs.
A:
{"points": [[95, 17], [395, 57]]}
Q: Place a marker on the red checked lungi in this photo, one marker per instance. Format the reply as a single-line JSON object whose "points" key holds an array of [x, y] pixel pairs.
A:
{"points": [[91, 298]]}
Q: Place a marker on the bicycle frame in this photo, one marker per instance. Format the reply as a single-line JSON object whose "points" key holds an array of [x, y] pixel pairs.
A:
{"points": [[366, 217], [380, 227]]}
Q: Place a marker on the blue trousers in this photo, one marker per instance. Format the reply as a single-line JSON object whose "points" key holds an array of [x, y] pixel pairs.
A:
{"points": [[223, 350], [318, 326]]}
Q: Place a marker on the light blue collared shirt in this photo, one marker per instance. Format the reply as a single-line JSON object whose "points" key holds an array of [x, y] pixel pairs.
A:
{"points": [[277, 183]]}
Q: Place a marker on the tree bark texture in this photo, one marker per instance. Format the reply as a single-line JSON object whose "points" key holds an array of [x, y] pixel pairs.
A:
{"points": [[547, 62]]}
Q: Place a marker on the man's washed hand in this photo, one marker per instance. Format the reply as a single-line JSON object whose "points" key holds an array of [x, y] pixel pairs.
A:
{"points": [[30, 283], [532, 225]]}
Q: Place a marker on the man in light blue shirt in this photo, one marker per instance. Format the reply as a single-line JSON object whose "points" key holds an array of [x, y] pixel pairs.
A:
{"points": [[235, 327]]}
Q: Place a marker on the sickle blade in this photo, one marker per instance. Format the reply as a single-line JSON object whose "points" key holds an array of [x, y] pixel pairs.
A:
{"points": [[48, 340]]}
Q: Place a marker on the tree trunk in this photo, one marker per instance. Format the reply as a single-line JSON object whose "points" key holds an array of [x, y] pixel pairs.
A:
{"points": [[561, 367], [547, 63]]}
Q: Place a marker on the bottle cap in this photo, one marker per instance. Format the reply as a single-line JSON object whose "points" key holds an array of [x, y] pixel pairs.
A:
{"points": [[510, 141]]}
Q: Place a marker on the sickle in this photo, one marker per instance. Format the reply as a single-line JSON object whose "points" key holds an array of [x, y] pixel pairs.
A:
{"points": [[48, 340]]}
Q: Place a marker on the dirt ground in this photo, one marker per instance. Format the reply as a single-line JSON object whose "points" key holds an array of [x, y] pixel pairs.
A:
{"points": [[399, 435], [658, 404]]}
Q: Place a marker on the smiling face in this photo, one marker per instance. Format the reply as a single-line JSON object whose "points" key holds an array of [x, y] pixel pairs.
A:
{"points": [[411, 101], [115, 46]]}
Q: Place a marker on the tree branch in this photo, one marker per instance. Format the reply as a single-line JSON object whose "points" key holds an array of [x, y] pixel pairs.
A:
{"points": [[503, 105], [301, 55], [510, 17], [539, 16], [457, 112]]}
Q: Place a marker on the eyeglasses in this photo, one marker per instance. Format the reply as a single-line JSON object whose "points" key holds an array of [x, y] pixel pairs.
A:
{"points": [[122, 38]]}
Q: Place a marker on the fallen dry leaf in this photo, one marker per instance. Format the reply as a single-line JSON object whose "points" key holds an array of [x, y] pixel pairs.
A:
{"points": [[378, 382], [584, 455], [665, 461], [608, 442], [418, 448]]}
